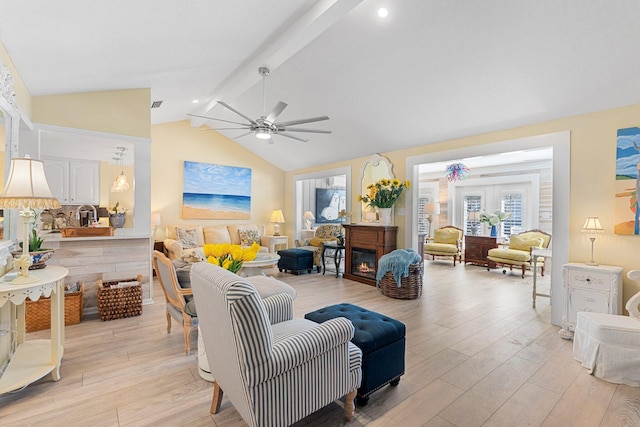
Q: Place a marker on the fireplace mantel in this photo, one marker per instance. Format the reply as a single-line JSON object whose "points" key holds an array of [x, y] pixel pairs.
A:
{"points": [[373, 239]]}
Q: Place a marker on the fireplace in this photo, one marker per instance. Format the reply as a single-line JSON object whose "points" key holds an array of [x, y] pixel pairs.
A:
{"points": [[364, 245], [363, 263]]}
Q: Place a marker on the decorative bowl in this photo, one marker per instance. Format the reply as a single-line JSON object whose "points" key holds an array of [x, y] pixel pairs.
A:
{"points": [[38, 258]]}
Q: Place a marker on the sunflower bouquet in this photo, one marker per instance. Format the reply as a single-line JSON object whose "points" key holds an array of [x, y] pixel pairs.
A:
{"points": [[228, 256], [384, 193]]}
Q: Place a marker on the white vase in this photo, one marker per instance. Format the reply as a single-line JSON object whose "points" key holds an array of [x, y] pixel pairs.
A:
{"points": [[385, 216]]}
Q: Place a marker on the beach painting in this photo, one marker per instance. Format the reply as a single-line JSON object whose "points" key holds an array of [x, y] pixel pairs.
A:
{"points": [[216, 192], [627, 187]]}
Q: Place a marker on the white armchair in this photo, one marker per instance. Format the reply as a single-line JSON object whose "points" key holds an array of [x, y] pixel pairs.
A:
{"points": [[274, 369]]}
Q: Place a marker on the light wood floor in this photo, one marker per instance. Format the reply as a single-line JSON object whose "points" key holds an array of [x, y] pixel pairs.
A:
{"points": [[477, 355]]}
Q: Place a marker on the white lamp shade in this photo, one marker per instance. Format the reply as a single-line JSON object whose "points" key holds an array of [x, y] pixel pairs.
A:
{"points": [[308, 215], [27, 186], [277, 216], [592, 225], [155, 219], [432, 208], [474, 216]]}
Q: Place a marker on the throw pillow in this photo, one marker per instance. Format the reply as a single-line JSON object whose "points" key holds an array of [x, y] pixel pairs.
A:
{"points": [[188, 237], [249, 237], [318, 241], [523, 244]]}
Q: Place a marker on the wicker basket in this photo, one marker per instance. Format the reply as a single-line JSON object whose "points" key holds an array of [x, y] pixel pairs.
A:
{"points": [[38, 313], [411, 285], [118, 302]]}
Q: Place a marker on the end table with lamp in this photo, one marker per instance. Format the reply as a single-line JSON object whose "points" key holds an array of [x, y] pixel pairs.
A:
{"points": [[338, 250]]}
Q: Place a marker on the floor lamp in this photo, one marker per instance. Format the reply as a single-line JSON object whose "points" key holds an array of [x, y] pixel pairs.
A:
{"points": [[431, 209], [592, 226], [26, 189]]}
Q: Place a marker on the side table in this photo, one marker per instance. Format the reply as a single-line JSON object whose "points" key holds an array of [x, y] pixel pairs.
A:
{"points": [[476, 249], [535, 254], [272, 241], [337, 255], [34, 359]]}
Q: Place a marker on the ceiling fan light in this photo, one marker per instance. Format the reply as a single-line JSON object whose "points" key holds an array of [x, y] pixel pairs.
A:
{"points": [[263, 134]]}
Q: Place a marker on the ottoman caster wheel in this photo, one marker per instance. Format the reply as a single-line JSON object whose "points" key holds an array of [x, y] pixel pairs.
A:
{"points": [[362, 401], [504, 271], [395, 382]]}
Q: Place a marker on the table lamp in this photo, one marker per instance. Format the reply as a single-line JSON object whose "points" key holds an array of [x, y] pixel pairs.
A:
{"points": [[26, 189], [277, 218], [431, 209], [592, 226], [474, 219], [308, 216]]}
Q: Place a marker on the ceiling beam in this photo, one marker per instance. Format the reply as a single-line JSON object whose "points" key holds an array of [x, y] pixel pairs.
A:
{"points": [[293, 39]]}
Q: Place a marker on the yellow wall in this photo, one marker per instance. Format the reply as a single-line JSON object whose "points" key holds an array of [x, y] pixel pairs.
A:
{"points": [[124, 112], [173, 143], [593, 155]]}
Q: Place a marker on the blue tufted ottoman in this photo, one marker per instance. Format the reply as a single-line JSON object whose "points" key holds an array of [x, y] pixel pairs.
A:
{"points": [[295, 260], [381, 339]]}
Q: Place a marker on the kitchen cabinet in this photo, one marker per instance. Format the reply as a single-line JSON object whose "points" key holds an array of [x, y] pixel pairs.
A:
{"points": [[592, 288], [73, 182]]}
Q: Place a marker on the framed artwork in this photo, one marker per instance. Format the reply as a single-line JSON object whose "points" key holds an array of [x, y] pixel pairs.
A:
{"points": [[329, 202], [627, 209], [216, 192]]}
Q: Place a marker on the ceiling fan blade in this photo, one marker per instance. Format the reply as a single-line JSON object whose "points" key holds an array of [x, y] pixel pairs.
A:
{"points": [[302, 121], [303, 130], [242, 135], [277, 110], [229, 107], [292, 137], [220, 120], [247, 127]]}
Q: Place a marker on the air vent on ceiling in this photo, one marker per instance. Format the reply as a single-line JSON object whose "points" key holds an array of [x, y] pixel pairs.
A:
{"points": [[156, 104]]}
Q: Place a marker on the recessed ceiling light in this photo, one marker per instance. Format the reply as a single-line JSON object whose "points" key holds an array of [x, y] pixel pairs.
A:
{"points": [[195, 101], [383, 12]]}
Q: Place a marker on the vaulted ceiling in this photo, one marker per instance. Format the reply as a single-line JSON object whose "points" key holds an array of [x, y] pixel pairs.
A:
{"points": [[432, 70]]}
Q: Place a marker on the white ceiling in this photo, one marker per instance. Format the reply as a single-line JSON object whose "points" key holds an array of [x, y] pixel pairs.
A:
{"points": [[433, 70]]}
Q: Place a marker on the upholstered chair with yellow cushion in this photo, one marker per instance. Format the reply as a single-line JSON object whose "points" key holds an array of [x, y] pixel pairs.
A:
{"points": [[446, 241], [518, 252], [324, 233]]}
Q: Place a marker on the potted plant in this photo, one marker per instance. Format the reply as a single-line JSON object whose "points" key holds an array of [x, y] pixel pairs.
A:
{"points": [[39, 255], [117, 216]]}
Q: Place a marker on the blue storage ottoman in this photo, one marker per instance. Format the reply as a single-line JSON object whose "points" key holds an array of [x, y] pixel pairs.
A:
{"points": [[381, 339], [295, 260]]}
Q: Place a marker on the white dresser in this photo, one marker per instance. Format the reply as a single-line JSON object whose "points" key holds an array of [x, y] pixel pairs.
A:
{"points": [[593, 288]]}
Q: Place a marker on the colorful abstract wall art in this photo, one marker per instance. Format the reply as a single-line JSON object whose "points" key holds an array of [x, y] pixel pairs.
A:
{"points": [[216, 192], [627, 210]]}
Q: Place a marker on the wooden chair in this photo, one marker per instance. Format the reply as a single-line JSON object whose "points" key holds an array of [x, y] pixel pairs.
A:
{"points": [[446, 241], [518, 252], [180, 304]]}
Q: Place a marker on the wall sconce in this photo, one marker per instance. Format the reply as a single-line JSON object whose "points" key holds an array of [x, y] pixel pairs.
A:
{"points": [[277, 218], [120, 184], [592, 226], [308, 216]]}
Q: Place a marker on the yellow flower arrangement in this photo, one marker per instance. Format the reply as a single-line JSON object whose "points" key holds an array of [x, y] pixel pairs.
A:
{"points": [[228, 256], [384, 193]]}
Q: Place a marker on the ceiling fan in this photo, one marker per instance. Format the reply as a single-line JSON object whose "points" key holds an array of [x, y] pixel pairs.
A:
{"points": [[265, 126]]}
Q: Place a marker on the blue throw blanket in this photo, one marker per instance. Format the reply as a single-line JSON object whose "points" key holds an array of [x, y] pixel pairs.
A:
{"points": [[397, 262]]}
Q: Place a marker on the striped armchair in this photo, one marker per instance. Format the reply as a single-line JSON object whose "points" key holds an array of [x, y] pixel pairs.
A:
{"points": [[274, 369]]}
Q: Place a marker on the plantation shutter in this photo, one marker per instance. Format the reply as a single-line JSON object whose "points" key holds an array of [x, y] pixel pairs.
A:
{"points": [[513, 205]]}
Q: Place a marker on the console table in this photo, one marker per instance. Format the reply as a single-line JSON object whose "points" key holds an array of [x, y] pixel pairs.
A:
{"points": [[370, 242], [34, 359]]}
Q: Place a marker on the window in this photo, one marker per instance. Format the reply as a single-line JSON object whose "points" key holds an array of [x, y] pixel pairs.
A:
{"points": [[423, 224], [512, 204]]}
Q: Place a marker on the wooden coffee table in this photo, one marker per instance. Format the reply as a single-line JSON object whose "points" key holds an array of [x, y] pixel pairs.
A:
{"points": [[257, 266]]}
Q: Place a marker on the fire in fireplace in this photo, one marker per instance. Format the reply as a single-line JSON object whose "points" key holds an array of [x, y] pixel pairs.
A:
{"points": [[363, 263]]}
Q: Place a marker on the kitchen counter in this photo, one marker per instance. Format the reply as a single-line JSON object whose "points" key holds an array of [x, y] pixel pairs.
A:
{"points": [[89, 259]]}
